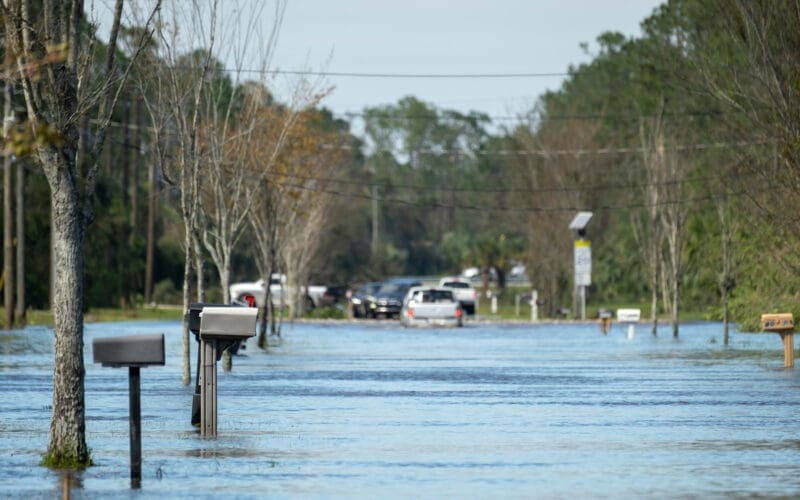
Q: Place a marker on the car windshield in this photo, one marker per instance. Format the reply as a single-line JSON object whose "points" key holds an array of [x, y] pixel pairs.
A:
{"points": [[457, 284], [430, 296], [393, 288], [366, 289]]}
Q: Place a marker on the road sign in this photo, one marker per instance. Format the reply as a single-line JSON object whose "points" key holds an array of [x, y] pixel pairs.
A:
{"points": [[583, 263]]}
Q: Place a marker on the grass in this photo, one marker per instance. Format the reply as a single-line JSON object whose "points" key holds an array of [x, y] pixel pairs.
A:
{"points": [[506, 309], [97, 315]]}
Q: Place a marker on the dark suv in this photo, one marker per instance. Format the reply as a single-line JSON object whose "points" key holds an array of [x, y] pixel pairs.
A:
{"points": [[362, 298], [389, 298]]}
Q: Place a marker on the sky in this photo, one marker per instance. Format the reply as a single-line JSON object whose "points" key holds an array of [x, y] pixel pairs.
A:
{"points": [[448, 37], [439, 37]]}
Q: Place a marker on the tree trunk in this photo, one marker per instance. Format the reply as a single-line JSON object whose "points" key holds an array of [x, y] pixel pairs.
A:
{"points": [[133, 278], [676, 290], [8, 211], [151, 232], [186, 369], [67, 427], [135, 157], [20, 196], [654, 288]]}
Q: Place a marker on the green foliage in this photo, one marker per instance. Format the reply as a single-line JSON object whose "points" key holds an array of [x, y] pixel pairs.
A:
{"points": [[164, 292], [329, 312]]}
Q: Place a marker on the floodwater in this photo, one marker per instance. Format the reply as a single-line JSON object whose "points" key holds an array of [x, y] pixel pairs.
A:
{"points": [[374, 410]]}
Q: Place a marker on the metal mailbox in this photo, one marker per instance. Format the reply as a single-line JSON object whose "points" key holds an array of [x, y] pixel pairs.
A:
{"points": [[629, 315], [132, 352], [220, 328], [135, 350], [228, 323]]}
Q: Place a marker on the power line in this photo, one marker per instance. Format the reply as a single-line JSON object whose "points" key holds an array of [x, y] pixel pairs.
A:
{"points": [[484, 208], [394, 75]]}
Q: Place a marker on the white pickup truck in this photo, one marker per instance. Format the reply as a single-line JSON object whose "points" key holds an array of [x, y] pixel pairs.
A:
{"points": [[431, 306], [463, 291], [280, 292]]}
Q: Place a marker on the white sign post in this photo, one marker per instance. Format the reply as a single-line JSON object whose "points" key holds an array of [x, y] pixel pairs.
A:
{"points": [[583, 272], [583, 262]]}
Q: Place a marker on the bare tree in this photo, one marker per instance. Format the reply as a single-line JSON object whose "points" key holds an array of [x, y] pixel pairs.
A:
{"points": [[57, 96], [649, 233]]}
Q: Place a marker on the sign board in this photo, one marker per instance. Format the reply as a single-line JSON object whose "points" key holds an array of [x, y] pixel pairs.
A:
{"points": [[629, 315], [583, 263]]}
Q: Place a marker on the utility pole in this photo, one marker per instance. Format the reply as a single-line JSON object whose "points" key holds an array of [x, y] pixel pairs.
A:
{"points": [[374, 220]]}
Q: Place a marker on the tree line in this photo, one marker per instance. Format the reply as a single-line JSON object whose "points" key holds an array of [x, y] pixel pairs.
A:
{"points": [[156, 160]]}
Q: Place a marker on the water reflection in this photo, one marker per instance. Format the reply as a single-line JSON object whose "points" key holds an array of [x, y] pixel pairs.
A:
{"points": [[70, 480]]}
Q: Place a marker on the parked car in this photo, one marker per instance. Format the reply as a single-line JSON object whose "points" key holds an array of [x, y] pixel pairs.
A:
{"points": [[363, 297], [431, 306], [389, 297], [280, 292], [463, 291]]}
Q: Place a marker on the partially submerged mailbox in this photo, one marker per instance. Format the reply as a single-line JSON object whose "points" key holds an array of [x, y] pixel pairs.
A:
{"points": [[630, 316], [220, 327], [133, 352], [605, 319], [782, 324], [192, 319]]}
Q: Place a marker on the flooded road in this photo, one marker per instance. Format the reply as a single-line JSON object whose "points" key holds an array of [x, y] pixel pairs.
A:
{"points": [[375, 410]]}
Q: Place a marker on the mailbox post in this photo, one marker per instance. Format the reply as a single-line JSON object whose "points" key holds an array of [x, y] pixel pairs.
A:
{"points": [[782, 324], [132, 352], [220, 327]]}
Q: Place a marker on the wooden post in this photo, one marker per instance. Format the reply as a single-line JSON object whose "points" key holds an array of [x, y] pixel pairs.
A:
{"points": [[783, 325], [788, 348]]}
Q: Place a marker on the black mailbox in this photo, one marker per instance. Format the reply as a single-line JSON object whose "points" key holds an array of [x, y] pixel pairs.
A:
{"points": [[137, 350], [132, 352]]}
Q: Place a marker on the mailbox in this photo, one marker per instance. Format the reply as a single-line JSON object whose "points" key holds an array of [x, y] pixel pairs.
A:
{"points": [[228, 323], [137, 350], [220, 328], [629, 315], [782, 324], [777, 322], [132, 352]]}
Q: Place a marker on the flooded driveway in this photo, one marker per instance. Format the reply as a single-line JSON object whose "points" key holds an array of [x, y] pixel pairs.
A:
{"points": [[375, 410]]}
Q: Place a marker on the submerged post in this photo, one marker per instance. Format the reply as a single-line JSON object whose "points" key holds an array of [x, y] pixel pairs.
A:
{"points": [[220, 327], [133, 352], [135, 404], [783, 325]]}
